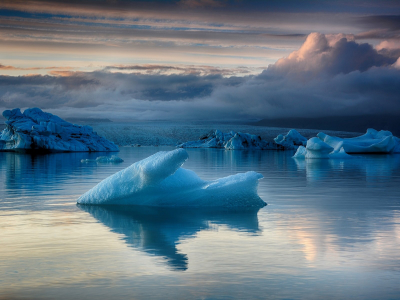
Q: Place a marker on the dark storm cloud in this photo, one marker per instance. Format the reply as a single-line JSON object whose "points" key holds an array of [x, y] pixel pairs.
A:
{"points": [[329, 75], [390, 22], [366, 6], [76, 89]]}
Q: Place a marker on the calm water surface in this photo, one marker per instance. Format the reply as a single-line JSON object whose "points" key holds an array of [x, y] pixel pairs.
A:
{"points": [[331, 230]]}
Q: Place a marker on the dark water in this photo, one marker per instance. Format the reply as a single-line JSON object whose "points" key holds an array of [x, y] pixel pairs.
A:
{"points": [[331, 230]]}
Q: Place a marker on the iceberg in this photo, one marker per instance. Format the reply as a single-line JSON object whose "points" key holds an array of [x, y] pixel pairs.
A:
{"points": [[292, 140], [326, 146], [232, 141], [38, 131], [315, 148], [372, 141], [104, 159], [159, 180]]}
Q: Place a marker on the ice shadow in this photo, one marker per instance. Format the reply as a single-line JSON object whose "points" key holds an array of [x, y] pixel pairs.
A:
{"points": [[157, 231]]}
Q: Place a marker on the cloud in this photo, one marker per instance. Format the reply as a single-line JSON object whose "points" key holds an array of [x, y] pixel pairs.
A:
{"points": [[389, 22], [12, 68], [202, 3], [328, 75], [329, 55], [379, 27], [183, 69]]}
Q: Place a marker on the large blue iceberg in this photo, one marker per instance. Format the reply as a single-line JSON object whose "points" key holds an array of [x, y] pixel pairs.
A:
{"points": [[38, 131], [159, 180]]}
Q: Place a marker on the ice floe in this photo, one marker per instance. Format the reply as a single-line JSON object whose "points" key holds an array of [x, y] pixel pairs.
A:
{"points": [[232, 141], [35, 130], [159, 180]]}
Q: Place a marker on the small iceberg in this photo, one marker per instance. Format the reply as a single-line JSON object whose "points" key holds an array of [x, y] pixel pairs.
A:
{"points": [[104, 159], [371, 142], [232, 141], [326, 146], [159, 180], [292, 140], [315, 148]]}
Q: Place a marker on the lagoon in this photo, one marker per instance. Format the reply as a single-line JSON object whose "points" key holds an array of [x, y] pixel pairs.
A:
{"points": [[331, 230]]}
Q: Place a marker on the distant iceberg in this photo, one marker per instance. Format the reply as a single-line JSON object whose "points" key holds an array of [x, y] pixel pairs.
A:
{"points": [[292, 140], [232, 141], [159, 180], [38, 131], [371, 142], [315, 148], [325, 146]]}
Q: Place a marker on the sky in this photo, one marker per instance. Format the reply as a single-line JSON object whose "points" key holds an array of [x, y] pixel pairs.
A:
{"points": [[208, 60]]}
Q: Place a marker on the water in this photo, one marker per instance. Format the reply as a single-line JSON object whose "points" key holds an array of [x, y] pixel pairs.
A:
{"points": [[331, 230]]}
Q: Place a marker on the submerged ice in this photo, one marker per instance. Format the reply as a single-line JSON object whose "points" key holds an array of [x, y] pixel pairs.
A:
{"points": [[159, 180]]}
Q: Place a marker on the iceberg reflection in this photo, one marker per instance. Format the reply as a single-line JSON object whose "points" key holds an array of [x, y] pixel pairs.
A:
{"points": [[373, 168], [157, 231]]}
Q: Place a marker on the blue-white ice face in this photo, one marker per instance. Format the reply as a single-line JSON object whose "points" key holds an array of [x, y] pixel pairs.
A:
{"points": [[159, 180], [38, 131]]}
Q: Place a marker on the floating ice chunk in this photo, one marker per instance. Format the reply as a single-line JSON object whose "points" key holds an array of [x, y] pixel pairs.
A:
{"points": [[232, 141], [371, 142], [291, 140], [301, 152], [104, 159], [318, 149], [35, 131], [325, 146], [159, 180]]}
